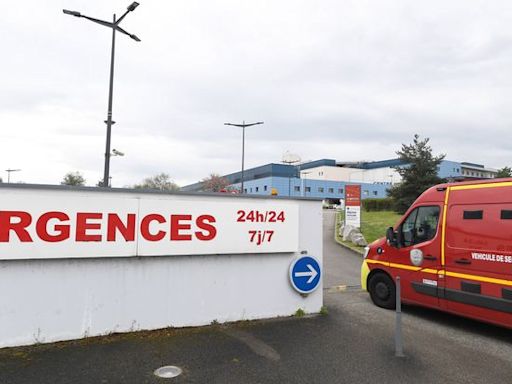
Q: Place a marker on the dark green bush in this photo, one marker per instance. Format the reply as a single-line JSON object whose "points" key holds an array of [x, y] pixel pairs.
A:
{"points": [[387, 204]]}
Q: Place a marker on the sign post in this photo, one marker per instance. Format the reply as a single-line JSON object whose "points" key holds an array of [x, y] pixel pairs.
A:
{"points": [[399, 348], [353, 205]]}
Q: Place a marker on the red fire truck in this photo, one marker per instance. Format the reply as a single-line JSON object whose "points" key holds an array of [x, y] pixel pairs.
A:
{"points": [[452, 250]]}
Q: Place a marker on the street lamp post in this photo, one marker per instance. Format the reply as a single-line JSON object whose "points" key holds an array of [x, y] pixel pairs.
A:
{"points": [[243, 125], [115, 27], [9, 174], [114, 153], [303, 183], [290, 159]]}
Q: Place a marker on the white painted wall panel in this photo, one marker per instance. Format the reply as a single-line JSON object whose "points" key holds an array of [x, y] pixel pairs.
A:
{"points": [[62, 299], [241, 225]]}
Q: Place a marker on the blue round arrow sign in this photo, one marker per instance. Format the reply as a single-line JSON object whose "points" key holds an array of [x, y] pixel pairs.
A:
{"points": [[305, 274]]}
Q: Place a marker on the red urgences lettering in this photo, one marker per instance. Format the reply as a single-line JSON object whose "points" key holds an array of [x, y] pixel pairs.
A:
{"points": [[19, 225], [57, 226], [61, 229]]}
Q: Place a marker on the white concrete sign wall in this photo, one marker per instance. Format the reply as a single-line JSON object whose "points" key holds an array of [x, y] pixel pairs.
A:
{"points": [[72, 289], [53, 224]]}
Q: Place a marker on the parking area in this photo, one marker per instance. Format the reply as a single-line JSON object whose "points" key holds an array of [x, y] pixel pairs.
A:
{"points": [[353, 343]]}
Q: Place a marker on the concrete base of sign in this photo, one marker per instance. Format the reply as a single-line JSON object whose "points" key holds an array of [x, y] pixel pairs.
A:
{"points": [[61, 299]]}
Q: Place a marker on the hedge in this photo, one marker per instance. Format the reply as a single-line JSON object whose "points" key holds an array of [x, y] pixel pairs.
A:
{"points": [[387, 204]]}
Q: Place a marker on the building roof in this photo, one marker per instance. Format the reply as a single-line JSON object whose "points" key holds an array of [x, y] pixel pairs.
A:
{"points": [[267, 170], [370, 164]]}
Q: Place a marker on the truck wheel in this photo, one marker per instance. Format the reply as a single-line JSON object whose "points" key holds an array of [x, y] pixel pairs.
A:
{"points": [[382, 291]]}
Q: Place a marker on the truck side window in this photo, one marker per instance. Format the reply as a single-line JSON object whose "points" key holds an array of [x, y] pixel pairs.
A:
{"points": [[473, 215], [506, 214], [420, 225], [408, 228]]}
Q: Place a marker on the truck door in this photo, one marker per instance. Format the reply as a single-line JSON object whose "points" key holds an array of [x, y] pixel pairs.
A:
{"points": [[419, 255], [479, 256]]}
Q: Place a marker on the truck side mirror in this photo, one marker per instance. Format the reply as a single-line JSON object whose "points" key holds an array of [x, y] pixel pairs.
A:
{"points": [[399, 237], [391, 237]]}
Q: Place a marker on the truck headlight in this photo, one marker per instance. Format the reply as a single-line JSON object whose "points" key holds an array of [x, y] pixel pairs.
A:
{"points": [[366, 252]]}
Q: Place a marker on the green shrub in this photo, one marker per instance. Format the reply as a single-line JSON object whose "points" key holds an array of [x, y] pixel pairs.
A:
{"points": [[374, 205]]}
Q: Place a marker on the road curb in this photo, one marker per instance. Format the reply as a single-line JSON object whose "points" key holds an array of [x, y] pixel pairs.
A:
{"points": [[347, 247], [339, 242], [344, 245]]}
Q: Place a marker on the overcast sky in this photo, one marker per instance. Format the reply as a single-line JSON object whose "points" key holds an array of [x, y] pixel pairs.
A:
{"points": [[348, 80]]}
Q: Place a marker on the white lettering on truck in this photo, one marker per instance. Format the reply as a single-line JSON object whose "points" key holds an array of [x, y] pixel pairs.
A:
{"points": [[491, 257]]}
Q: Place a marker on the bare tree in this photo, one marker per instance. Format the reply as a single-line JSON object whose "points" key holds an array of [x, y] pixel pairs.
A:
{"points": [[162, 182], [214, 183]]}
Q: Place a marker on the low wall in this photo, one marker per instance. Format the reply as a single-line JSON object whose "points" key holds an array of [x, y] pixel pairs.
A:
{"points": [[61, 290]]}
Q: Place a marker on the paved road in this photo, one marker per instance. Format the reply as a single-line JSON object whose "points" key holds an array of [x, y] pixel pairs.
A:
{"points": [[341, 266], [352, 344]]}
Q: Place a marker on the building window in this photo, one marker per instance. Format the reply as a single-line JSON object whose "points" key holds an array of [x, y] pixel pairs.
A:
{"points": [[265, 188], [365, 192], [331, 190], [375, 193], [257, 189], [321, 189], [245, 190], [307, 189], [340, 191], [296, 189]]}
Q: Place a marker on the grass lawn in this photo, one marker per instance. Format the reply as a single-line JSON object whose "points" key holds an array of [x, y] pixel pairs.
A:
{"points": [[373, 226]]}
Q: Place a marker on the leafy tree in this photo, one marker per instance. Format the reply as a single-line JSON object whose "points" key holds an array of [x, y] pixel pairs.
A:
{"points": [[162, 181], [73, 178], [504, 172], [214, 183], [419, 173]]}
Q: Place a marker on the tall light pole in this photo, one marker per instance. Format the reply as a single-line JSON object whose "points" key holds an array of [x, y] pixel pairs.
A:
{"points": [[290, 159], [115, 27], [9, 174], [243, 125], [303, 183], [114, 153]]}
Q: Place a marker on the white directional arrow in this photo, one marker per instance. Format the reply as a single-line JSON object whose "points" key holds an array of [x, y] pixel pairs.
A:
{"points": [[312, 274]]}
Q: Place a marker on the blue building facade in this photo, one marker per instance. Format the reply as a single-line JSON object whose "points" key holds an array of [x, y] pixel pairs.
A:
{"points": [[449, 170], [285, 180], [323, 189]]}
